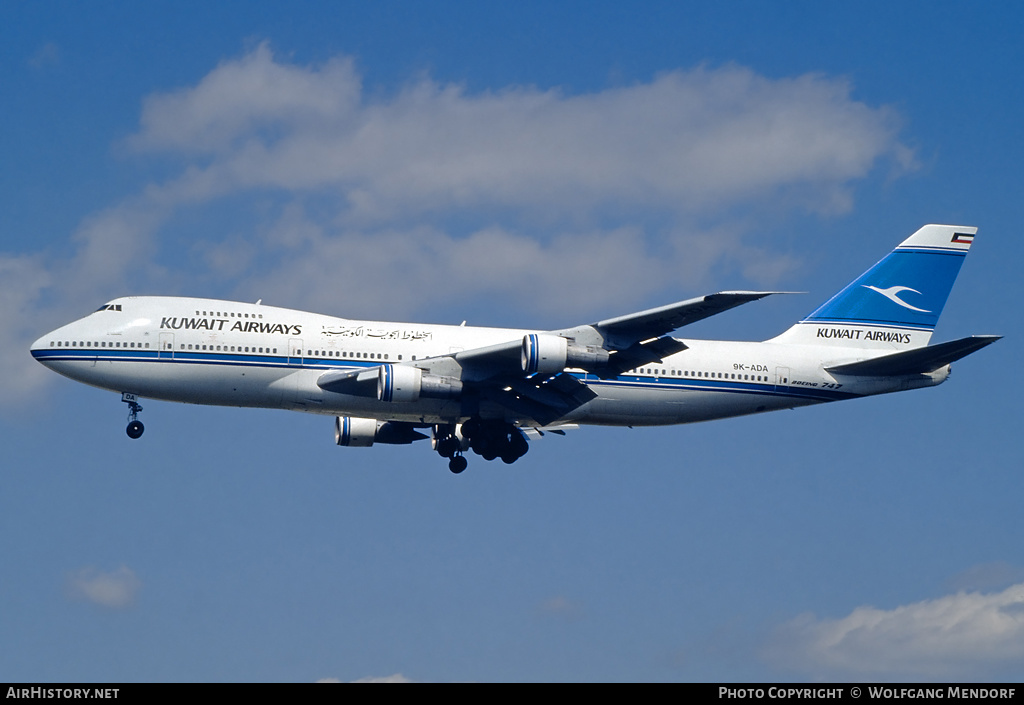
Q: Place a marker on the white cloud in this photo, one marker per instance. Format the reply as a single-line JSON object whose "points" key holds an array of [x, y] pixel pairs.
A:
{"points": [[393, 678], [46, 56], [397, 272], [246, 95], [43, 291], [22, 283], [365, 203], [116, 589], [561, 607], [960, 635], [987, 576], [686, 141]]}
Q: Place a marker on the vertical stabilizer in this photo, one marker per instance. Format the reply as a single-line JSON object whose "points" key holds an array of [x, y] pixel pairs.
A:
{"points": [[895, 304]]}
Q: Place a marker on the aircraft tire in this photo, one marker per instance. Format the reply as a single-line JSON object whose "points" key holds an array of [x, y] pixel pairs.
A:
{"points": [[457, 464], [135, 429], [447, 447]]}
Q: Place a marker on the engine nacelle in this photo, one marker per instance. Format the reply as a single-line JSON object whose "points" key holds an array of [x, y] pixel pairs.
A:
{"points": [[546, 354], [398, 383], [356, 432], [550, 354]]}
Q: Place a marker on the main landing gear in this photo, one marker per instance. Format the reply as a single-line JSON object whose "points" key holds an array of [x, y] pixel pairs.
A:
{"points": [[490, 439], [135, 427], [448, 445]]}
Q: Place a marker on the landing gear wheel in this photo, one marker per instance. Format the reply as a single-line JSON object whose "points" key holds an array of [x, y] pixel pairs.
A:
{"points": [[448, 447], [135, 427], [457, 464]]}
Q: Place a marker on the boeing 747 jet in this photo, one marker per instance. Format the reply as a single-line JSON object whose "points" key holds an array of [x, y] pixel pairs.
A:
{"points": [[491, 389]]}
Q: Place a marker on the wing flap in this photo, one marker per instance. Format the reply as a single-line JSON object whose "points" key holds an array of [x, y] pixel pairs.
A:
{"points": [[543, 399], [641, 354], [535, 432], [917, 361]]}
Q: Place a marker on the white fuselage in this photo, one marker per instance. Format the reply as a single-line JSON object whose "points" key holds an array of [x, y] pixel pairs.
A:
{"points": [[205, 351]]}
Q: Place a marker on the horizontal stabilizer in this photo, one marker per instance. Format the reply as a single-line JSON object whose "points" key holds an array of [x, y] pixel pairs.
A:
{"points": [[917, 361]]}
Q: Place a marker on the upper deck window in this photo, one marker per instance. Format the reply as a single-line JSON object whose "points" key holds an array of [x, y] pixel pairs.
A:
{"points": [[109, 307]]}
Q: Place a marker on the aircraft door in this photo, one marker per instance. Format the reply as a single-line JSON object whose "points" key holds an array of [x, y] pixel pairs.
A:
{"points": [[781, 378], [165, 349], [295, 351]]}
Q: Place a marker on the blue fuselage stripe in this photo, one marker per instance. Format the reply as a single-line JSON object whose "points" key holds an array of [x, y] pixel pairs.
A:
{"points": [[283, 362]]}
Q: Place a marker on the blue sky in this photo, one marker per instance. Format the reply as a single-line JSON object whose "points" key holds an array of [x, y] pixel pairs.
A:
{"points": [[530, 165]]}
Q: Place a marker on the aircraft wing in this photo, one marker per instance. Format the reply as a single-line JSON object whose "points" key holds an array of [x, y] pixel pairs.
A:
{"points": [[490, 361], [632, 340], [605, 349], [624, 331], [506, 374]]}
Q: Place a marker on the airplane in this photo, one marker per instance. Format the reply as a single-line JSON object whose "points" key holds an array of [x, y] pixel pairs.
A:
{"points": [[489, 390]]}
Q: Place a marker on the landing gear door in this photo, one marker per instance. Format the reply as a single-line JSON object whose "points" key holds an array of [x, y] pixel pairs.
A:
{"points": [[165, 349]]}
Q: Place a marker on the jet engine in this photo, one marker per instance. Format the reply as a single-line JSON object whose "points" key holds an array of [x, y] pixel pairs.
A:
{"points": [[399, 383], [356, 432], [550, 354]]}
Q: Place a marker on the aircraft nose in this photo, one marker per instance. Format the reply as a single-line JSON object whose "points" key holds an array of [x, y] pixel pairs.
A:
{"points": [[40, 347], [45, 347]]}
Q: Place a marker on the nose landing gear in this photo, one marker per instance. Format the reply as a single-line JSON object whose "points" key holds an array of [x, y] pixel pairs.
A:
{"points": [[135, 427]]}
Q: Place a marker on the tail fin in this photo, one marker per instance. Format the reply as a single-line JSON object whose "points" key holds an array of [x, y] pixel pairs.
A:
{"points": [[895, 304]]}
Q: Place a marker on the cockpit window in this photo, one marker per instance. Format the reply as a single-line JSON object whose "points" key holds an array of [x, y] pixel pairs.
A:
{"points": [[109, 307]]}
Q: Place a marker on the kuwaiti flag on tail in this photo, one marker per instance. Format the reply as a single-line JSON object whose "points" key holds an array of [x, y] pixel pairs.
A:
{"points": [[908, 288]]}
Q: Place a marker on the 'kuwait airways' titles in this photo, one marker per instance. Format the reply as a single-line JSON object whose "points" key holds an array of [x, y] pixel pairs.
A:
{"points": [[218, 324], [859, 334]]}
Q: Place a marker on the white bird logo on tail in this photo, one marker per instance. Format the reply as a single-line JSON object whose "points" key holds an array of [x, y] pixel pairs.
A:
{"points": [[893, 294]]}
